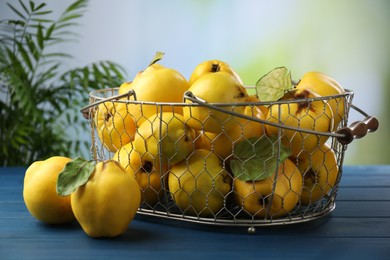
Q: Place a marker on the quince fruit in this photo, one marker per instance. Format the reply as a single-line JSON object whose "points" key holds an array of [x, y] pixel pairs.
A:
{"points": [[150, 174], [255, 99], [164, 135], [310, 115], [223, 143], [125, 87], [199, 184], [324, 86], [211, 66], [218, 87], [157, 84], [274, 196], [108, 202], [39, 191], [320, 171], [114, 124]]}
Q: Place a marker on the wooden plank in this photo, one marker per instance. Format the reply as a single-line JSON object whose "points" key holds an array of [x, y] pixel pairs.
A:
{"points": [[366, 169], [362, 209], [10, 194], [364, 193], [13, 209], [331, 237], [368, 175], [7, 172], [140, 245], [331, 227], [367, 180]]}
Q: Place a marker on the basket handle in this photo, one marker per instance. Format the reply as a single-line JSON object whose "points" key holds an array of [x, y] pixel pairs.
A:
{"points": [[358, 129], [344, 135], [86, 111], [190, 96]]}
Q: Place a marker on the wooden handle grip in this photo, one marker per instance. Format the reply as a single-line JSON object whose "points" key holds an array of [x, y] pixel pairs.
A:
{"points": [[358, 129]]}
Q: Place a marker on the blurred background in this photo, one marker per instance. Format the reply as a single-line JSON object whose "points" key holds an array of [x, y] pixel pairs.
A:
{"points": [[348, 40]]}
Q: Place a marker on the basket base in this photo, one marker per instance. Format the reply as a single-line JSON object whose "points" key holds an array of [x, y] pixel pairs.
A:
{"points": [[217, 223]]}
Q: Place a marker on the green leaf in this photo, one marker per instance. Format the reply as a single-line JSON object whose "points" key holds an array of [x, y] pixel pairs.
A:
{"points": [[41, 20], [24, 6], [25, 56], [58, 55], [32, 47], [32, 6], [40, 38], [50, 73], [159, 55], [257, 158], [39, 7], [85, 79], [43, 13], [70, 17], [64, 25], [16, 11], [75, 174], [273, 85], [76, 5], [49, 31]]}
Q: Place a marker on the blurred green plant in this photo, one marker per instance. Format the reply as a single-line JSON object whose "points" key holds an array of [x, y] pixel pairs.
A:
{"points": [[39, 102]]}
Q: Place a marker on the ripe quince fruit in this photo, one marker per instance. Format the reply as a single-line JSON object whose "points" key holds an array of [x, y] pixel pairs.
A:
{"points": [[274, 196], [125, 87], [39, 191], [157, 84], [223, 143], [150, 174], [164, 135], [108, 202], [218, 87], [320, 172], [313, 115], [114, 124], [255, 99], [324, 86], [199, 184], [211, 66]]}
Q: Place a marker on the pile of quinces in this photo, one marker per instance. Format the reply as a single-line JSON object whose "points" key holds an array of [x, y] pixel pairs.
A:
{"points": [[209, 159], [245, 155]]}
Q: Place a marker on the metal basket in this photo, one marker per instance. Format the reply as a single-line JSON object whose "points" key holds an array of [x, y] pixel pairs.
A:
{"points": [[233, 211]]}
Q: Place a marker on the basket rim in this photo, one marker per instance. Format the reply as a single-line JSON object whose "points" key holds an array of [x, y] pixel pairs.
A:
{"points": [[116, 98]]}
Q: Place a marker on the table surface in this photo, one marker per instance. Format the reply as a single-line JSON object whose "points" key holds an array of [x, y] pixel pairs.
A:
{"points": [[358, 228]]}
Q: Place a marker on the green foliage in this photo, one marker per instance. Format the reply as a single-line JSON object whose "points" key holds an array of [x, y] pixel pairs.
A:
{"points": [[273, 85], [257, 158], [39, 102], [75, 174]]}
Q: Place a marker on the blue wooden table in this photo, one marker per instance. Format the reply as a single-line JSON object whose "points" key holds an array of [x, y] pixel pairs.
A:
{"points": [[359, 228]]}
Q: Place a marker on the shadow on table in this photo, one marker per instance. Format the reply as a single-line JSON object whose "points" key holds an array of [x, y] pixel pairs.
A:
{"points": [[73, 229]]}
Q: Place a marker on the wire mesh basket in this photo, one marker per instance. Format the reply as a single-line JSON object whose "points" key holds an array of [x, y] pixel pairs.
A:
{"points": [[188, 173]]}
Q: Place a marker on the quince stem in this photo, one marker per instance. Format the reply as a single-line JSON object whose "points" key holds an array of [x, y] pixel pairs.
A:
{"points": [[158, 56]]}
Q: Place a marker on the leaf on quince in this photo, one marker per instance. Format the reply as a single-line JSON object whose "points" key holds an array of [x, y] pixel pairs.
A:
{"points": [[273, 85], [158, 56], [75, 174], [257, 158]]}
